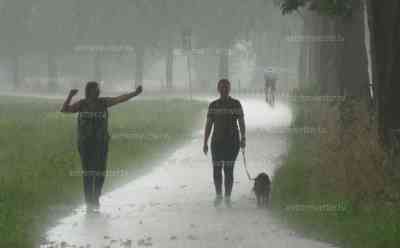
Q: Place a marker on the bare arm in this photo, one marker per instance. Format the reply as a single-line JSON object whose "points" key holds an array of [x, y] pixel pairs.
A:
{"points": [[242, 127], [207, 132], [67, 106], [208, 127], [111, 101]]}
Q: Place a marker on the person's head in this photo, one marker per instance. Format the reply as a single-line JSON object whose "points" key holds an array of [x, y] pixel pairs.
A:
{"points": [[92, 90], [224, 87]]}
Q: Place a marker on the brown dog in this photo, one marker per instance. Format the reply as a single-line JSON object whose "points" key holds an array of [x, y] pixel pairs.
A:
{"points": [[262, 188]]}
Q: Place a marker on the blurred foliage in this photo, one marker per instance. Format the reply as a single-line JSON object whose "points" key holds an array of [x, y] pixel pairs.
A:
{"points": [[334, 185], [325, 7]]}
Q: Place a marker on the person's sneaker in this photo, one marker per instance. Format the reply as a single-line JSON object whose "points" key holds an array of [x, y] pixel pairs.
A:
{"points": [[228, 201], [218, 200], [96, 203], [89, 208]]}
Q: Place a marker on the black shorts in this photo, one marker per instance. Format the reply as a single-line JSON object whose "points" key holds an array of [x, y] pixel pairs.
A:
{"points": [[273, 85], [270, 85], [225, 151], [93, 154]]}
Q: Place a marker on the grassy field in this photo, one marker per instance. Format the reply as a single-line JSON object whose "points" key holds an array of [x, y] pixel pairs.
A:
{"points": [[39, 159], [337, 185]]}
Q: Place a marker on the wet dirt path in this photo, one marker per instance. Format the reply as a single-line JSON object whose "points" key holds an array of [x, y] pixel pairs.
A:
{"points": [[172, 205]]}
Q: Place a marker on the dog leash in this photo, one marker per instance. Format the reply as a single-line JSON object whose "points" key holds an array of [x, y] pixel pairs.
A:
{"points": [[245, 165]]}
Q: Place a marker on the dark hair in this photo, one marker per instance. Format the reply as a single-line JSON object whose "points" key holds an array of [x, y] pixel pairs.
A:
{"points": [[91, 86], [223, 81]]}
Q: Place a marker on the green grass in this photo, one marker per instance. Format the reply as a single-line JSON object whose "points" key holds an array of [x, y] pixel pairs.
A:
{"points": [[368, 224], [39, 156]]}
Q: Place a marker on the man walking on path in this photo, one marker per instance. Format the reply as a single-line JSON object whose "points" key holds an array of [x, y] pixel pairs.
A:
{"points": [[93, 136], [270, 79], [223, 117]]}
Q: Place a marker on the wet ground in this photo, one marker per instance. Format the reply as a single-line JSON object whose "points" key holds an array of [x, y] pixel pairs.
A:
{"points": [[172, 205]]}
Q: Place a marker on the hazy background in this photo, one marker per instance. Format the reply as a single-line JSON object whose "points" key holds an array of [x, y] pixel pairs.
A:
{"points": [[49, 46]]}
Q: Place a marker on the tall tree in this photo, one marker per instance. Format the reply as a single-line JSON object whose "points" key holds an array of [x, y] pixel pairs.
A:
{"points": [[384, 26], [341, 61], [384, 23]]}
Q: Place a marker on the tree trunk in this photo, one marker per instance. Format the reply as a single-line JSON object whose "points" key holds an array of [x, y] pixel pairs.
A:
{"points": [[223, 63], [15, 67], [169, 68], [139, 65], [52, 72], [329, 57], [312, 54], [354, 63], [97, 70], [385, 27], [302, 66]]}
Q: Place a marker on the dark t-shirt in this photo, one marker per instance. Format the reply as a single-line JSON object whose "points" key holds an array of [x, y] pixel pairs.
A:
{"points": [[93, 121], [225, 114]]}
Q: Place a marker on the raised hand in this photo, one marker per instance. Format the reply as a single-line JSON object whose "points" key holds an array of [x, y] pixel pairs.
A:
{"points": [[205, 149], [139, 90], [73, 92], [243, 143]]}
